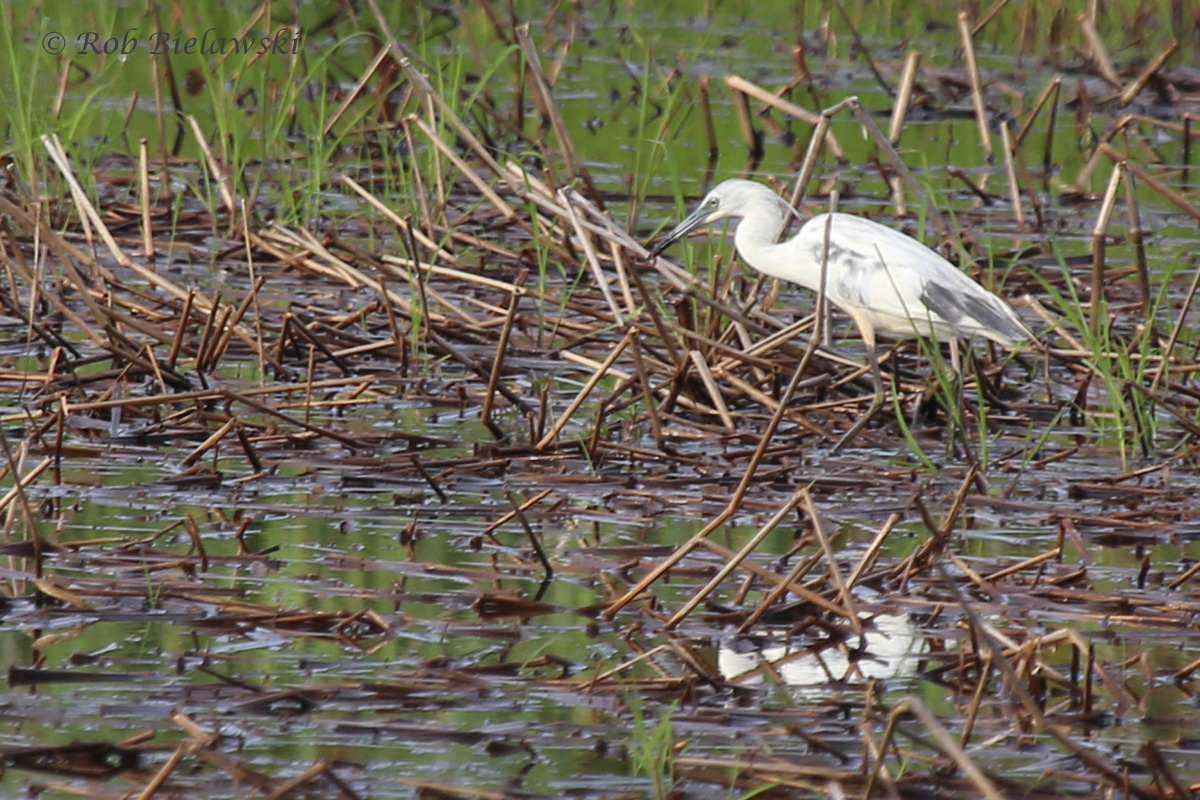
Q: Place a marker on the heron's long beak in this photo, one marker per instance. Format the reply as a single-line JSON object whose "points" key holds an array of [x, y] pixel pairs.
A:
{"points": [[694, 220]]}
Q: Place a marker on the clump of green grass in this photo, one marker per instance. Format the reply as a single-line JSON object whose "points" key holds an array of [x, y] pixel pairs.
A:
{"points": [[653, 747]]}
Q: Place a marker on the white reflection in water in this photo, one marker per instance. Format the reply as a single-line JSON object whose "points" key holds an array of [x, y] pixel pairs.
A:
{"points": [[890, 648]]}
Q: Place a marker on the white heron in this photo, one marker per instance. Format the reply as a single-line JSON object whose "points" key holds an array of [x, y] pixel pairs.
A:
{"points": [[885, 281]]}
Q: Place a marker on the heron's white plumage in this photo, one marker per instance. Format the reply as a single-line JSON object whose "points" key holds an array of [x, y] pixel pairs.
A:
{"points": [[886, 281]]}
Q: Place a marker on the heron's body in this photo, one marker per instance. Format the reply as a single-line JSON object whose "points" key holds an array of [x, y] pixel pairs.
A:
{"points": [[885, 281]]}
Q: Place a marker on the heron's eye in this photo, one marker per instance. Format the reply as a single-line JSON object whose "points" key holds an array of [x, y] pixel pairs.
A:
{"points": [[712, 202]]}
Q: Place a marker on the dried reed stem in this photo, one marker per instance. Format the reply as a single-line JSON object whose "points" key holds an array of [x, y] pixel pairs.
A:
{"points": [[1139, 83], [1099, 234], [981, 118], [1087, 24], [904, 95], [224, 184], [144, 192], [600, 372], [1174, 197], [740, 84], [549, 108], [1014, 188]]}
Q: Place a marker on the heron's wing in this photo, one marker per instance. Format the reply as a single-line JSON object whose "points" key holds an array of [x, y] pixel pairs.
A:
{"points": [[903, 287], [975, 311]]}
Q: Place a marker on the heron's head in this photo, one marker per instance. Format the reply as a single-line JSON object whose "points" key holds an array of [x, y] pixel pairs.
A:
{"points": [[732, 198]]}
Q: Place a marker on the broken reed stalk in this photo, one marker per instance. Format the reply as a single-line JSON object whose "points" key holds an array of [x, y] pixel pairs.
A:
{"points": [[988, 16], [1033, 561], [309, 369], [904, 96], [862, 49], [621, 268], [59, 156], [788, 584], [1052, 88], [981, 118], [1048, 149], [1175, 198], [945, 742], [421, 192], [873, 750], [536, 543], [745, 87], [243, 398], [212, 331], [320, 768], [1160, 769], [1139, 83], [111, 340], [981, 687], [592, 259], [209, 443], [1099, 234], [256, 282], [578, 202], [144, 192], [415, 460], [404, 58], [1169, 349], [1134, 225], [511, 515], [820, 137], [872, 551], [1030, 187], [797, 497], [710, 128], [18, 488], [230, 324], [648, 395], [441, 205], [802, 592], [545, 100], [831, 563], [442, 272], [741, 104], [220, 176], [462, 166], [600, 372], [356, 90], [1014, 188], [714, 391], [193, 531], [489, 396], [1087, 24], [398, 337], [821, 327], [251, 453], [1187, 149], [181, 329], [897, 163], [164, 772]]}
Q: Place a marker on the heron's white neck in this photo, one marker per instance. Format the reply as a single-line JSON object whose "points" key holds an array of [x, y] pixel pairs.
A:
{"points": [[756, 237]]}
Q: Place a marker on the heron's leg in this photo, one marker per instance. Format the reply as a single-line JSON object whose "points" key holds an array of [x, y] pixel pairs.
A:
{"points": [[868, 335], [955, 400]]}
